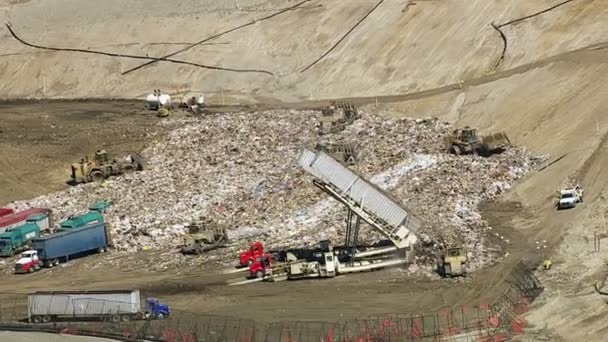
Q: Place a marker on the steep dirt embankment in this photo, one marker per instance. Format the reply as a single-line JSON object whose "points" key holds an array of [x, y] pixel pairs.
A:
{"points": [[402, 46], [557, 109]]}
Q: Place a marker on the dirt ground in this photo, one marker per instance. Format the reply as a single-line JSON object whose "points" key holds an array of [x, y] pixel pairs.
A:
{"points": [[39, 141], [121, 126], [548, 94]]}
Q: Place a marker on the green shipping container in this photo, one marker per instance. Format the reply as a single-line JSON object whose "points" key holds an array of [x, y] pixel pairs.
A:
{"points": [[92, 217], [18, 238]]}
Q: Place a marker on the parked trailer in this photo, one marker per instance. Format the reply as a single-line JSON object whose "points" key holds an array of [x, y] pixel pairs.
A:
{"points": [[6, 211], [60, 247], [19, 218], [113, 305], [18, 239], [77, 221]]}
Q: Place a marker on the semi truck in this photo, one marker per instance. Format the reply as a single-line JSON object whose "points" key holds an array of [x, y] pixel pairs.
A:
{"points": [[112, 305], [19, 218], [18, 239], [53, 249]]}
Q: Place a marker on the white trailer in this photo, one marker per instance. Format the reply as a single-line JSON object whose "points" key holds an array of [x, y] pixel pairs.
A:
{"points": [[115, 305]]}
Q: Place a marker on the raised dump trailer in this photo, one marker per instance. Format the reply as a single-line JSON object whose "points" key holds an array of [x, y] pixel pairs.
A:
{"points": [[60, 247], [111, 305], [18, 239], [19, 218]]}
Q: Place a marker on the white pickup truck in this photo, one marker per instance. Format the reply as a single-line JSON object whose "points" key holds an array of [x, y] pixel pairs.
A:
{"points": [[568, 198]]}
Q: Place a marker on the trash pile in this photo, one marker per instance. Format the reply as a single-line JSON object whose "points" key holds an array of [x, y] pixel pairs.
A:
{"points": [[240, 170]]}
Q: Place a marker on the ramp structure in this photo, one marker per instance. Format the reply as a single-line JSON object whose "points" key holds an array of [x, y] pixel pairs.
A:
{"points": [[362, 199]]}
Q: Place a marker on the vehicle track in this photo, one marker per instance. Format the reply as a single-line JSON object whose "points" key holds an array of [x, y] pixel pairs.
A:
{"points": [[515, 21], [164, 58], [109, 54], [343, 37]]}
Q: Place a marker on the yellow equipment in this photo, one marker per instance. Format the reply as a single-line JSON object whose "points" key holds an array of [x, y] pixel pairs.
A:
{"points": [[466, 141], [452, 263], [101, 167]]}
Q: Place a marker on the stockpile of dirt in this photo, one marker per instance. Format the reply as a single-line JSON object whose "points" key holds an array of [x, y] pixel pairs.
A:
{"points": [[240, 170]]}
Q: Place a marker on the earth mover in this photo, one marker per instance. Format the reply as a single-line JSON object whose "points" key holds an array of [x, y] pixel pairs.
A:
{"points": [[101, 167], [451, 264], [342, 152], [332, 122], [467, 141], [204, 236]]}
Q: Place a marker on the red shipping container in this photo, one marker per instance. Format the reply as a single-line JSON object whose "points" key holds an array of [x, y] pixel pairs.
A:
{"points": [[6, 211], [16, 219]]}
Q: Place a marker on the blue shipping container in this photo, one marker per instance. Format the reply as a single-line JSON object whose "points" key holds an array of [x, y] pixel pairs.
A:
{"points": [[59, 247]]}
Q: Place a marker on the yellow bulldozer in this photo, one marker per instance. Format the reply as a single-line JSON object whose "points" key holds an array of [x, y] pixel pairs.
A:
{"points": [[451, 264], [101, 167], [204, 235], [342, 152], [336, 117], [466, 141]]}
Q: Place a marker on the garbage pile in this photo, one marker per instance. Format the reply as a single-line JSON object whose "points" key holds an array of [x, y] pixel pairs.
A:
{"points": [[240, 170]]}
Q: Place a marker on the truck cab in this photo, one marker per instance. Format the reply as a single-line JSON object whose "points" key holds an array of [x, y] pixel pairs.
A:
{"points": [[260, 266], [156, 310], [28, 262], [249, 256], [569, 197]]}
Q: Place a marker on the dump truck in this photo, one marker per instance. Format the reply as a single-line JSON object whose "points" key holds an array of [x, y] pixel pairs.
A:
{"points": [[20, 218], [467, 141], [101, 167], [60, 247], [204, 235], [110, 305], [452, 263], [18, 239]]}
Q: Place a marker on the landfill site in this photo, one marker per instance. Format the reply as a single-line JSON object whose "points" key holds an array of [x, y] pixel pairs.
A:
{"points": [[304, 170]]}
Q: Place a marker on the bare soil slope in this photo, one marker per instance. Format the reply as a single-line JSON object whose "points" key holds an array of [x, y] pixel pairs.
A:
{"points": [[402, 46]]}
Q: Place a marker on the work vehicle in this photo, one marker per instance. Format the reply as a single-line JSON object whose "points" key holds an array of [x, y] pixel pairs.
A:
{"points": [[6, 211], [18, 239], [204, 235], [452, 263], [101, 167], [77, 221], [249, 256], [60, 247], [467, 141], [20, 218], [332, 122], [28, 262], [342, 152], [111, 305], [569, 197]]}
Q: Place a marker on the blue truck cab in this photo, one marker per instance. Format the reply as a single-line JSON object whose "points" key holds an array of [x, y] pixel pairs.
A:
{"points": [[156, 310]]}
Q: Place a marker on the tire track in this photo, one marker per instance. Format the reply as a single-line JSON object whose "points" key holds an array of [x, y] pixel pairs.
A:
{"points": [[109, 54], [518, 20], [343, 37], [164, 58], [364, 100]]}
